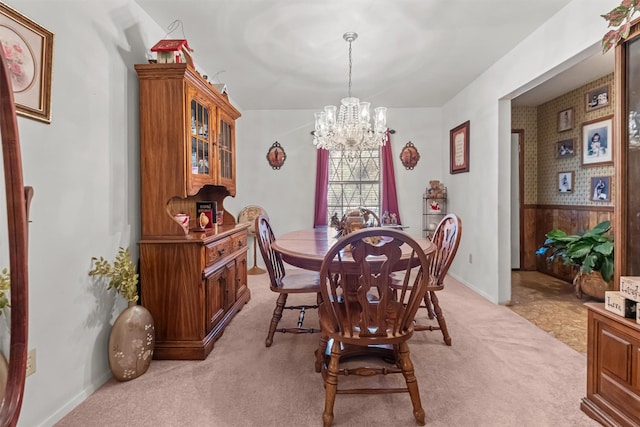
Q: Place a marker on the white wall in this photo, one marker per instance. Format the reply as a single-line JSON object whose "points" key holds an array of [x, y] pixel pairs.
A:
{"points": [[84, 169], [481, 196]]}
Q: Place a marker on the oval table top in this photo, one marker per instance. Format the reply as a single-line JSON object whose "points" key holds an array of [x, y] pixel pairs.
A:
{"points": [[306, 248]]}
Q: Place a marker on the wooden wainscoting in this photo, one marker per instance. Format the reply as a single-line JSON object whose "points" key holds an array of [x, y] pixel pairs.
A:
{"points": [[540, 219]]}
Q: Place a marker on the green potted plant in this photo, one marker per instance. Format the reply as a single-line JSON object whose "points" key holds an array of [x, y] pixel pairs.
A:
{"points": [[590, 253], [132, 337]]}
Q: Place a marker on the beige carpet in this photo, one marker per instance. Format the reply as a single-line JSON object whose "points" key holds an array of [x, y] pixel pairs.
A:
{"points": [[500, 371]]}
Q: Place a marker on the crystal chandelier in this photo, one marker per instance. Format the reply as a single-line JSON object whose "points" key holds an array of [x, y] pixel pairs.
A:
{"points": [[350, 130]]}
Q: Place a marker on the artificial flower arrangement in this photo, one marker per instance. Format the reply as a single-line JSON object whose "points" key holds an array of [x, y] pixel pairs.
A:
{"points": [[121, 274], [620, 19]]}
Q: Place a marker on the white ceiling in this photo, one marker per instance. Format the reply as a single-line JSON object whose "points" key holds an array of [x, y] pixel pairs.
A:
{"points": [[290, 54], [584, 72]]}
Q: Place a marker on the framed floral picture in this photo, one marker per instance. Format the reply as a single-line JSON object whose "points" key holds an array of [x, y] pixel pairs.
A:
{"points": [[459, 142], [28, 50], [597, 141]]}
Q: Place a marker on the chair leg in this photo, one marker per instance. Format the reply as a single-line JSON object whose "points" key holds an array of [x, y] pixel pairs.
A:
{"points": [[412, 383], [331, 385], [427, 305], [277, 315], [322, 346], [440, 317]]}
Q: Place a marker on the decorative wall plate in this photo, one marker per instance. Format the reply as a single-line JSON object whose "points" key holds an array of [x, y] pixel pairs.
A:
{"points": [[276, 156], [409, 156]]}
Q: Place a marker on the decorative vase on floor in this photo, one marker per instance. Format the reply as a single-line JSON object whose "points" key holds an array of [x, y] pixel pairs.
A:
{"points": [[131, 343], [4, 374], [591, 284]]}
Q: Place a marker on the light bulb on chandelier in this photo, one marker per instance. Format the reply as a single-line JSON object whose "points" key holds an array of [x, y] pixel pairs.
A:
{"points": [[349, 129]]}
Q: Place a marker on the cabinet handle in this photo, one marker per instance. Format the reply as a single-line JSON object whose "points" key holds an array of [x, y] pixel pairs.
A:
{"points": [[220, 252], [240, 243]]}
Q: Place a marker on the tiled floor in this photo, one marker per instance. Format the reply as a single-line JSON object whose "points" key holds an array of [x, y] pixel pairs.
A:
{"points": [[550, 304]]}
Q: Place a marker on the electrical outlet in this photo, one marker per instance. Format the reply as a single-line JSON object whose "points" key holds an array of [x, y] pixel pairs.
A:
{"points": [[31, 362], [470, 259]]}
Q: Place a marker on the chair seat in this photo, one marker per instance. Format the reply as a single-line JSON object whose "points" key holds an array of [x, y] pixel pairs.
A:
{"points": [[298, 281]]}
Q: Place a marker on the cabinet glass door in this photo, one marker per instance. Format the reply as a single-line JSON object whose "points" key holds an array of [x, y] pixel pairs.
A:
{"points": [[200, 160], [226, 152]]}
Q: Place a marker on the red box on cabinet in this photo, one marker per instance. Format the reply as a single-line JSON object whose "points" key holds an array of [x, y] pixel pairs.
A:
{"points": [[208, 210]]}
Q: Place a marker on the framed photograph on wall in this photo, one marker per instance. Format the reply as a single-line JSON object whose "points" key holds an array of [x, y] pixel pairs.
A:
{"points": [[597, 138], [597, 98], [28, 48], [601, 188], [565, 182], [459, 142], [564, 148], [565, 120]]}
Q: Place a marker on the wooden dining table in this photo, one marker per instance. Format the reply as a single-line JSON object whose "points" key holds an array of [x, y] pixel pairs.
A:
{"points": [[306, 248]]}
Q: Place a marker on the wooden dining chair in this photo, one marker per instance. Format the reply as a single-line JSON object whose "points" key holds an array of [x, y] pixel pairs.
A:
{"points": [[446, 237], [284, 281], [359, 315]]}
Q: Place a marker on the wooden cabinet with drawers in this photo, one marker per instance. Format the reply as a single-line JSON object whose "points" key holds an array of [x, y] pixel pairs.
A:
{"points": [[193, 288], [613, 368], [192, 281]]}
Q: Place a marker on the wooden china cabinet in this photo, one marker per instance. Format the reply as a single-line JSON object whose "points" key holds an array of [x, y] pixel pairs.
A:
{"points": [[613, 349], [193, 282]]}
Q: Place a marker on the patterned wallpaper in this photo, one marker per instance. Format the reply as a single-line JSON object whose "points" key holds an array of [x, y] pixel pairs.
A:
{"points": [[541, 164], [525, 118]]}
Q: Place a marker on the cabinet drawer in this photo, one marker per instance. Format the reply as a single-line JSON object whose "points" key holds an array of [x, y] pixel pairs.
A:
{"points": [[218, 250], [238, 241]]}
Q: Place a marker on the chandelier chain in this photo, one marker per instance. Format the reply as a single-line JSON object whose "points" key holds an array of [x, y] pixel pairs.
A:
{"points": [[350, 66]]}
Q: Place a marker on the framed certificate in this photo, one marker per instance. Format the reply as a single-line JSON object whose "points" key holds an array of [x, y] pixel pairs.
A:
{"points": [[459, 141]]}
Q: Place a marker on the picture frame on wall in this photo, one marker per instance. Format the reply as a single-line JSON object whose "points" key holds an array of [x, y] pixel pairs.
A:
{"points": [[600, 189], [565, 182], [597, 98], [459, 148], [597, 138], [565, 120], [28, 48], [565, 148]]}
